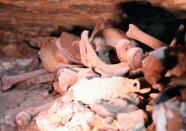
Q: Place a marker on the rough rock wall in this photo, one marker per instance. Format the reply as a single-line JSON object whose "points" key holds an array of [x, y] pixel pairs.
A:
{"points": [[24, 19]]}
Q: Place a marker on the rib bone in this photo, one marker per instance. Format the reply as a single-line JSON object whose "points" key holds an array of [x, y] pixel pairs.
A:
{"points": [[90, 59]]}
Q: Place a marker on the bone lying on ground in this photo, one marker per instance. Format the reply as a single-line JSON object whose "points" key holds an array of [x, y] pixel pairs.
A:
{"points": [[9, 81], [51, 55], [36, 80], [24, 117]]}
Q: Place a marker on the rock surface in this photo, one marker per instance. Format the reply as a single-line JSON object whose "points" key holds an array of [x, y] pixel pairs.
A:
{"points": [[22, 20]]}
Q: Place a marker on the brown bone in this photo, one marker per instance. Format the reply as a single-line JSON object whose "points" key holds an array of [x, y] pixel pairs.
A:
{"points": [[60, 50]]}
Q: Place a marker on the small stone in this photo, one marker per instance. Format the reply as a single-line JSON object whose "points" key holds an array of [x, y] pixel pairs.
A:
{"points": [[131, 121]]}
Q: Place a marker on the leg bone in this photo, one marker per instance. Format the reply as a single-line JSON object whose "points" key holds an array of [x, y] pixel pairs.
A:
{"points": [[36, 80], [137, 34], [9, 81]]}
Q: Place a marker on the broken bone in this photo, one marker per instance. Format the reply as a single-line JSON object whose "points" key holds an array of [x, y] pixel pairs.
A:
{"points": [[24, 117], [9, 80], [135, 33]]}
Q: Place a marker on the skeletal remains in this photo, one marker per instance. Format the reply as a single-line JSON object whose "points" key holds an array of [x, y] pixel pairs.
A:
{"points": [[67, 56], [58, 51]]}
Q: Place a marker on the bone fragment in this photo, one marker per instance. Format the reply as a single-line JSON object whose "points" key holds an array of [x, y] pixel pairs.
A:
{"points": [[24, 117]]}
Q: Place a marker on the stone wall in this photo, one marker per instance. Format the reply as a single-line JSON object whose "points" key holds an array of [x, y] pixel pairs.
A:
{"points": [[22, 19]]}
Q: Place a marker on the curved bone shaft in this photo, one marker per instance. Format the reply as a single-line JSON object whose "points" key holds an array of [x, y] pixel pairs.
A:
{"points": [[90, 58], [10, 80], [135, 33]]}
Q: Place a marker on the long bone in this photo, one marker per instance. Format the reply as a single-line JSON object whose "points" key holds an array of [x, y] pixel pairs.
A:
{"points": [[135, 33], [49, 77], [29, 78], [123, 47], [51, 56], [9, 80]]}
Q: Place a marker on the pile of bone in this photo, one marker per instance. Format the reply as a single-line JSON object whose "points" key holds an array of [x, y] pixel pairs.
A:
{"points": [[113, 104], [94, 93], [96, 104]]}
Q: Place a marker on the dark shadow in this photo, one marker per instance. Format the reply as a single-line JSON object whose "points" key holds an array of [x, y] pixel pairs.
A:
{"points": [[57, 32], [155, 21], [77, 30]]}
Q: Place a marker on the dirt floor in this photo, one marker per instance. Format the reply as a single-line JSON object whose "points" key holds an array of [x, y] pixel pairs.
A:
{"points": [[16, 99]]}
